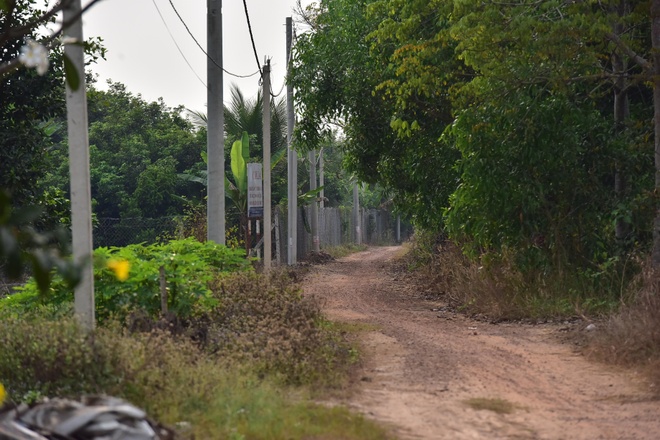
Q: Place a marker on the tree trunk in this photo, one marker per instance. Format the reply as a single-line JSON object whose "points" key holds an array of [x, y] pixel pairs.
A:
{"points": [[621, 113], [655, 37]]}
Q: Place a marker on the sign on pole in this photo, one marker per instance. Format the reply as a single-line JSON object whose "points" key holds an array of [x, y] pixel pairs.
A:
{"points": [[255, 201]]}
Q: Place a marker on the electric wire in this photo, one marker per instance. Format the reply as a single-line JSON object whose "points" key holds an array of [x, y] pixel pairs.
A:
{"points": [[177, 45], [254, 47], [288, 63], [278, 93], [204, 52]]}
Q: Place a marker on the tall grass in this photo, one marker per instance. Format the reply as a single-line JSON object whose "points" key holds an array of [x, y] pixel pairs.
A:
{"points": [[499, 288], [631, 336]]}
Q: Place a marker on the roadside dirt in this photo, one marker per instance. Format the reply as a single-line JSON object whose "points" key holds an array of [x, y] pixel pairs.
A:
{"points": [[422, 364]]}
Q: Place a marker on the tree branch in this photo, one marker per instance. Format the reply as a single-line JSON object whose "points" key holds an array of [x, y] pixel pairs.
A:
{"points": [[638, 59]]}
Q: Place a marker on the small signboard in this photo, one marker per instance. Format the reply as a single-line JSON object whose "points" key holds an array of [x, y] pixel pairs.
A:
{"points": [[255, 194]]}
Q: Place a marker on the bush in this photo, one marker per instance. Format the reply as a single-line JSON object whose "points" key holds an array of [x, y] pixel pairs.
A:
{"points": [[53, 358], [171, 379], [264, 320], [189, 268]]}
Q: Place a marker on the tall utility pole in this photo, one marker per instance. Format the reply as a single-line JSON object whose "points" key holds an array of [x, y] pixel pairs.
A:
{"points": [[215, 142], [321, 180], [356, 214], [268, 227], [81, 194], [316, 245], [292, 159]]}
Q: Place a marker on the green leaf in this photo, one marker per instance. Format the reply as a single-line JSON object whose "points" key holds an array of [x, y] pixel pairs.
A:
{"points": [[245, 139], [26, 215], [11, 253], [72, 76], [277, 157], [239, 166]]}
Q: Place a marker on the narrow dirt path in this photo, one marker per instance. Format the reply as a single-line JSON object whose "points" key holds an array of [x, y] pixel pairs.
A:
{"points": [[422, 363]]}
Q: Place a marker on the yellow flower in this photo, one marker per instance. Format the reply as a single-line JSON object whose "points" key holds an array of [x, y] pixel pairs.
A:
{"points": [[3, 394], [120, 268]]}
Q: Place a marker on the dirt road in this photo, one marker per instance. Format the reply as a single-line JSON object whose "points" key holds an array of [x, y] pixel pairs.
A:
{"points": [[423, 364]]}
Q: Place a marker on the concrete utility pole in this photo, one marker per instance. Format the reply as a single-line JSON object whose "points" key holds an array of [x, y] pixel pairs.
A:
{"points": [[321, 180], [292, 160], [268, 224], [81, 194], [215, 142], [356, 214], [316, 245]]}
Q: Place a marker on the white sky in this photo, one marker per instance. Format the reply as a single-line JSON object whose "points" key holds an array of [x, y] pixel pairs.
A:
{"points": [[142, 55]]}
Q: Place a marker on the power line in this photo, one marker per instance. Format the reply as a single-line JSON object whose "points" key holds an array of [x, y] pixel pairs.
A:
{"points": [[254, 47], [176, 44], [278, 93], [202, 49]]}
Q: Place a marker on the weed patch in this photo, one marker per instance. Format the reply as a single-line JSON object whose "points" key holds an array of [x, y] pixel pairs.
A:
{"points": [[499, 406], [265, 320], [206, 395], [345, 250], [631, 337], [498, 289]]}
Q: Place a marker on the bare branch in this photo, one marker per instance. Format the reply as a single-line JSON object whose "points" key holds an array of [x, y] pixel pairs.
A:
{"points": [[638, 59]]}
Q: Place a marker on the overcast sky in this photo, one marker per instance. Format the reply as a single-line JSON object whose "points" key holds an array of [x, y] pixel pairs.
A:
{"points": [[143, 56]]}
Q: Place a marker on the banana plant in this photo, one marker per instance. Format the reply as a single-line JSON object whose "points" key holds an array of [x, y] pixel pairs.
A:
{"points": [[237, 190]]}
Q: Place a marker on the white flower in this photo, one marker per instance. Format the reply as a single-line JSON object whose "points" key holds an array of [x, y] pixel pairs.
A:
{"points": [[34, 54]]}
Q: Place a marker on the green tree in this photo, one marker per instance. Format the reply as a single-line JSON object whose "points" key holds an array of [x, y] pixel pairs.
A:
{"points": [[520, 121], [136, 150], [343, 75]]}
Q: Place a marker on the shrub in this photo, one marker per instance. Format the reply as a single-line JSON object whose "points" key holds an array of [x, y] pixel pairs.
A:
{"points": [[171, 379], [189, 267], [265, 320], [48, 358]]}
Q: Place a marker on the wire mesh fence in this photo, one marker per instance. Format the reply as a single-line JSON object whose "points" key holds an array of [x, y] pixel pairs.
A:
{"points": [[336, 227], [125, 231]]}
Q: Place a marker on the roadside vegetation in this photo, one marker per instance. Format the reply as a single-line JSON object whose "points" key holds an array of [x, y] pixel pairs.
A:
{"points": [[238, 355]]}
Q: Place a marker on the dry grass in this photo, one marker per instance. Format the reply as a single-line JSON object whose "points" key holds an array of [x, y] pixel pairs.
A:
{"points": [[631, 337], [494, 287]]}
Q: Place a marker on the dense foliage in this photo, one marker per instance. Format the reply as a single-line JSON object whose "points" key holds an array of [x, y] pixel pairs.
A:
{"points": [[189, 266], [521, 129]]}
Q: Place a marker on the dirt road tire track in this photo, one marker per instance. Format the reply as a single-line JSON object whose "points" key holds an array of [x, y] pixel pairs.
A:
{"points": [[422, 364]]}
